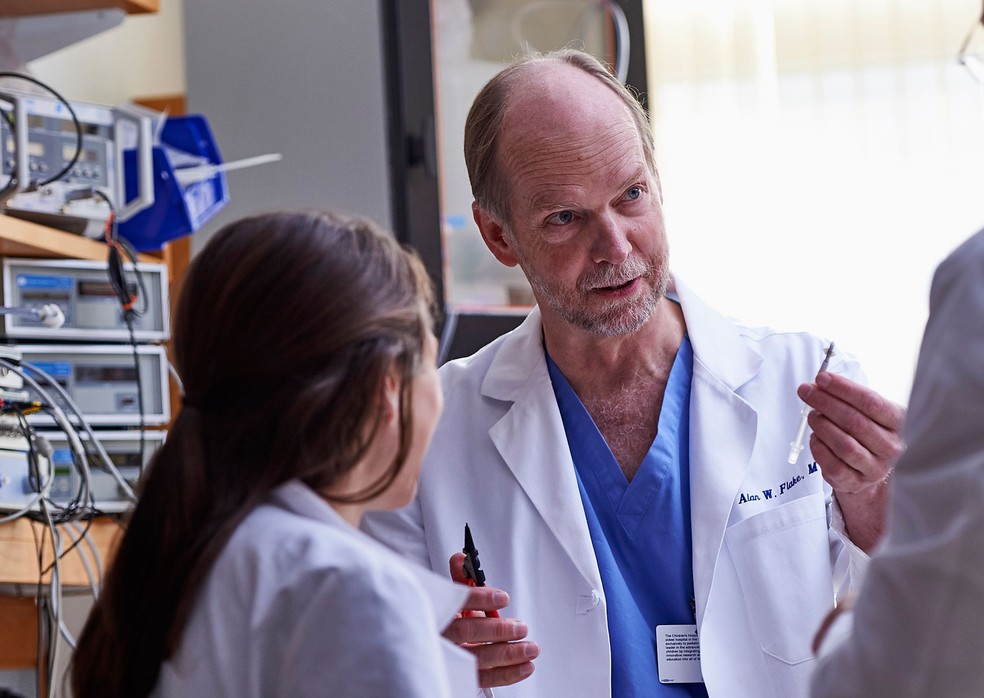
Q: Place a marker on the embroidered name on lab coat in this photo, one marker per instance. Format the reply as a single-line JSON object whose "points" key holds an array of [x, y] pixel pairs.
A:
{"points": [[780, 488]]}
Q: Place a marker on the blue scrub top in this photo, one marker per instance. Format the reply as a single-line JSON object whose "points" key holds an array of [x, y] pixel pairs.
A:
{"points": [[640, 530]]}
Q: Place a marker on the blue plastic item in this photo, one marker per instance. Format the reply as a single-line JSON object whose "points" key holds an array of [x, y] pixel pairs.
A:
{"points": [[177, 210]]}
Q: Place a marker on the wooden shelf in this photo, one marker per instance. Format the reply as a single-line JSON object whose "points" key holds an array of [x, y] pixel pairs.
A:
{"points": [[22, 8], [19, 238], [19, 552], [19, 575]]}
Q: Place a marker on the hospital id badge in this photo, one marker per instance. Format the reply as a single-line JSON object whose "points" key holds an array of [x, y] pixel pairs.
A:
{"points": [[678, 654]]}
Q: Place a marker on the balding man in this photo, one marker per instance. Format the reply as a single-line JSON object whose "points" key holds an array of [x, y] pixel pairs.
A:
{"points": [[621, 457]]}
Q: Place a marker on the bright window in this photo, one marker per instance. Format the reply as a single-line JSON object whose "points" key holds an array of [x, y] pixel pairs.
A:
{"points": [[818, 160]]}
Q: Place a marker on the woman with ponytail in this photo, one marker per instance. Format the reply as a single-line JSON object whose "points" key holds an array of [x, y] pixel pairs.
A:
{"points": [[304, 342]]}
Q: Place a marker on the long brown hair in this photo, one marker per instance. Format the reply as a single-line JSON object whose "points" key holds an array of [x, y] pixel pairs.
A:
{"points": [[285, 330]]}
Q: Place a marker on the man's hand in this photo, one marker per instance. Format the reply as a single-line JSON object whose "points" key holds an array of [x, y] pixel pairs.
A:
{"points": [[857, 437], [844, 605], [502, 659]]}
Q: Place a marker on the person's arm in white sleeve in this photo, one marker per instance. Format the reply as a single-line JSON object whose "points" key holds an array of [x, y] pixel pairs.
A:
{"points": [[367, 633]]}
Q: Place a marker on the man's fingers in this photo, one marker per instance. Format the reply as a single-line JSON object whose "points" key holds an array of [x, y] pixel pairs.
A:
{"points": [[878, 433], [485, 599], [478, 630], [503, 664], [841, 445], [869, 403], [849, 419], [841, 475], [457, 568], [504, 654], [504, 676]]}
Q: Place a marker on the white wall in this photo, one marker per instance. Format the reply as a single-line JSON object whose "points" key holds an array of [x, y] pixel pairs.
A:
{"points": [[142, 57], [299, 77]]}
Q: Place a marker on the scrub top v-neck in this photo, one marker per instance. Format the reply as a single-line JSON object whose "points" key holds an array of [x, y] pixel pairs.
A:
{"points": [[640, 530]]}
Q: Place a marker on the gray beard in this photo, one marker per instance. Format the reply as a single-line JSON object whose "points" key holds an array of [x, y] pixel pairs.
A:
{"points": [[623, 317]]}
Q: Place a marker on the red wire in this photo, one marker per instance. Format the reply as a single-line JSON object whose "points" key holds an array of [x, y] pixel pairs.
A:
{"points": [[108, 229]]}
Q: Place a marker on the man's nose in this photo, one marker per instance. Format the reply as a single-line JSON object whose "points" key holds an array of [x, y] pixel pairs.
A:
{"points": [[611, 241]]}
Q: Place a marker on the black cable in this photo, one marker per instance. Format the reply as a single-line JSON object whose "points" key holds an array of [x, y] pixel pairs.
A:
{"points": [[131, 254], [33, 467], [118, 249], [39, 669], [75, 122], [75, 544], [136, 366], [9, 120], [43, 647], [127, 293], [53, 610], [77, 508]]}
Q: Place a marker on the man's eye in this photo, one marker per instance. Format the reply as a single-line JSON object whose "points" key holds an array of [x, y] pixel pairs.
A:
{"points": [[633, 193], [561, 218]]}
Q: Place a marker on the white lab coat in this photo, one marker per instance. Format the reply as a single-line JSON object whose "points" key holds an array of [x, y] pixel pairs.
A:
{"points": [[917, 625], [299, 603], [763, 568]]}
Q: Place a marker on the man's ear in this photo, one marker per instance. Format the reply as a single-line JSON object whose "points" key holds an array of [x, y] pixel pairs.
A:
{"points": [[494, 236]]}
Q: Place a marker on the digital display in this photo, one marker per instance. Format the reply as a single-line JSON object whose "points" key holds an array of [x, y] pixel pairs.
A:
{"points": [[42, 297], [85, 155], [126, 459], [89, 374], [101, 289], [122, 460], [62, 458], [88, 129]]}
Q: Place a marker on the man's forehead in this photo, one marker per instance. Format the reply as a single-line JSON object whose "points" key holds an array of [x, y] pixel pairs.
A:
{"points": [[557, 106], [568, 145], [570, 187], [552, 91]]}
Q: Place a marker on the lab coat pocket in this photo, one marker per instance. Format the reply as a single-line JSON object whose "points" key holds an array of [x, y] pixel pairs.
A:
{"points": [[783, 564]]}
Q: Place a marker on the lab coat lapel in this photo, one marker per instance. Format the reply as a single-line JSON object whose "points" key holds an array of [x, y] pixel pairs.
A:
{"points": [[722, 431], [530, 438]]}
